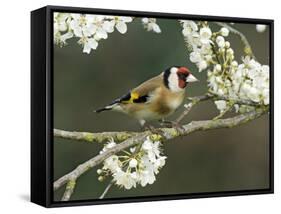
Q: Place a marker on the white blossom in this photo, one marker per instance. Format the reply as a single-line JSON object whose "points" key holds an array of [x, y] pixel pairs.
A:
{"points": [[159, 163], [112, 163], [146, 176], [227, 44], [265, 96], [110, 144], [221, 105], [103, 27], [125, 179], [195, 57], [202, 65], [188, 27], [138, 167], [220, 41], [66, 36], [120, 22], [188, 106], [230, 52], [82, 25], [199, 42], [89, 44], [133, 163], [248, 80], [152, 149], [218, 67], [132, 149], [151, 25], [260, 28], [205, 35], [234, 63], [61, 29], [89, 29], [224, 31], [60, 23]]}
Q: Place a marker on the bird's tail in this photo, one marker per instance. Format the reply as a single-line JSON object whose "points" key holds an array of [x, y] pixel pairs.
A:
{"points": [[106, 108]]}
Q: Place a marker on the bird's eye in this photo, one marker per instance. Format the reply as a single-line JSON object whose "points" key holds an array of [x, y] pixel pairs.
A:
{"points": [[182, 76]]}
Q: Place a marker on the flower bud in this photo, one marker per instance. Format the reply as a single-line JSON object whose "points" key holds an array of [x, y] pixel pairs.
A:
{"points": [[260, 28], [220, 41], [101, 178], [224, 31], [202, 65], [227, 44], [234, 64], [218, 67], [230, 51], [133, 163]]}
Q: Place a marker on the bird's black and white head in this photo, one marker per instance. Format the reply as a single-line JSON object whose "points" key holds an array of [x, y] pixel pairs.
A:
{"points": [[177, 77]]}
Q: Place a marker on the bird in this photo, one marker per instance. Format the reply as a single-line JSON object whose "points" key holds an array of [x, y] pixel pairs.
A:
{"points": [[156, 98]]}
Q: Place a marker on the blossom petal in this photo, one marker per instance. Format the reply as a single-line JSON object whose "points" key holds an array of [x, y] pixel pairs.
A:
{"points": [[121, 27], [94, 44], [108, 26], [87, 48], [101, 33], [126, 18], [156, 28]]}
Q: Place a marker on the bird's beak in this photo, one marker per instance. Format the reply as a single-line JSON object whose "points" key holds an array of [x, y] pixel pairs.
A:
{"points": [[191, 78]]}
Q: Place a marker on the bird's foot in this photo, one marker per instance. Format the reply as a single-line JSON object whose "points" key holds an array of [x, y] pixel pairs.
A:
{"points": [[172, 124], [154, 130]]}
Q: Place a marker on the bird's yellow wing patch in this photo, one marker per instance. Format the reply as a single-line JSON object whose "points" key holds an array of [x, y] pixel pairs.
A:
{"points": [[133, 96]]}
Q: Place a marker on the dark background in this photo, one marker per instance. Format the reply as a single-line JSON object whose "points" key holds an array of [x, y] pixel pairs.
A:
{"points": [[206, 161]]}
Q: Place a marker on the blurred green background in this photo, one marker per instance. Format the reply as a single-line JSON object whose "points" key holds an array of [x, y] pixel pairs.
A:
{"points": [[206, 161]]}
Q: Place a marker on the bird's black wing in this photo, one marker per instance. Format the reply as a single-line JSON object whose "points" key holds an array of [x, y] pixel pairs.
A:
{"points": [[128, 98]]}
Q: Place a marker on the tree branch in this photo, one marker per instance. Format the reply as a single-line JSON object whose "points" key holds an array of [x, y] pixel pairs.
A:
{"points": [[106, 189], [93, 137], [69, 190], [168, 133]]}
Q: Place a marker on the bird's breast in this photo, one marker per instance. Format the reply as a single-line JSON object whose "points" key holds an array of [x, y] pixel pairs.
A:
{"points": [[167, 102], [174, 102]]}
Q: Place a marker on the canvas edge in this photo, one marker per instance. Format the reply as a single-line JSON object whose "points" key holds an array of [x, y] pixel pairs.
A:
{"points": [[48, 93]]}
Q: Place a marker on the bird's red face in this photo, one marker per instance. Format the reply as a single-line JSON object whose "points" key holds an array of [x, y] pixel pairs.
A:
{"points": [[182, 73], [177, 77]]}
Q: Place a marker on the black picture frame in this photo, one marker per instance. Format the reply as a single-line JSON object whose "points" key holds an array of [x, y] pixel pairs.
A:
{"points": [[42, 106]]}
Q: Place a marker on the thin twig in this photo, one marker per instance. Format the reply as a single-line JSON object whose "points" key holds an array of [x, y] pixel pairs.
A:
{"points": [[208, 96], [222, 113], [194, 101], [106, 189], [168, 133], [247, 46]]}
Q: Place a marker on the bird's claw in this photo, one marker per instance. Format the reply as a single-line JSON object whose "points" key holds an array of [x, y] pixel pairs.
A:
{"points": [[154, 130], [172, 124]]}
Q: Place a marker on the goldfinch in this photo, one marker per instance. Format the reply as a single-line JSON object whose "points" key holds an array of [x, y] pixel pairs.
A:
{"points": [[155, 98]]}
